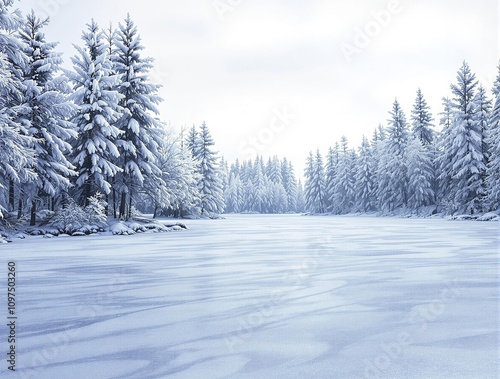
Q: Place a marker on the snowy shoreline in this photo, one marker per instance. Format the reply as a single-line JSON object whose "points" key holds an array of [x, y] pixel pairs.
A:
{"points": [[121, 228], [144, 225]]}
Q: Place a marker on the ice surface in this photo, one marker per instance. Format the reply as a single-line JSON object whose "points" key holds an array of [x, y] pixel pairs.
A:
{"points": [[262, 297]]}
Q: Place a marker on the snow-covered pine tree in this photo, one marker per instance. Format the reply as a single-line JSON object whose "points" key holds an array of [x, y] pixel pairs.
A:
{"points": [[140, 138], [493, 170], [420, 174], [16, 157], [192, 141], [344, 188], [377, 150], [332, 160], [309, 198], [290, 184], [423, 129], [315, 183], [224, 173], [94, 150], [210, 185], [463, 147], [443, 158], [363, 184], [47, 112], [234, 194], [421, 120], [393, 191], [17, 162], [175, 192], [301, 202], [482, 119]]}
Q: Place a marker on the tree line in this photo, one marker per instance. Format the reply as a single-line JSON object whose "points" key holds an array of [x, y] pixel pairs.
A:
{"points": [[71, 136], [410, 166]]}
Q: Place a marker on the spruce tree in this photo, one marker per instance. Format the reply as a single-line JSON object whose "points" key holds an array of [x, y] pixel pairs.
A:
{"points": [[210, 185], [462, 147], [395, 184], [47, 112], [364, 185], [493, 170], [421, 120], [94, 150], [140, 128]]}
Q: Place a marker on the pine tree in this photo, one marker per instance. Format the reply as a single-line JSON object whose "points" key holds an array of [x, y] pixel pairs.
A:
{"points": [[95, 152], [210, 185], [393, 191], [301, 202], [14, 145], [175, 191], [420, 174], [421, 119], [344, 187], [332, 161], [140, 138], [443, 159], [234, 194], [462, 147], [48, 112], [315, 183], [290, 184], [16, 157], [493, 170], [364, 185], [482, 106]]}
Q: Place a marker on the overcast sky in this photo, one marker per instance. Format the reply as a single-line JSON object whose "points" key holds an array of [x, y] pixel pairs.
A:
{"points": [[285, 77]]}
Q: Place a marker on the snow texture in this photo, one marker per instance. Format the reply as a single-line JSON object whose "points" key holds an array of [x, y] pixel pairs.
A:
{"points": [[256, 296]]}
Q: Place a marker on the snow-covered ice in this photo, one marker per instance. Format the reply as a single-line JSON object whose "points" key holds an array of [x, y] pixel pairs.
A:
{"points": [[262, 297]]}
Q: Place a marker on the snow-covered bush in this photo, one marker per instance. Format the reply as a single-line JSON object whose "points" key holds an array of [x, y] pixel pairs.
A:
{"points": [[69, 219], [96, 210]]}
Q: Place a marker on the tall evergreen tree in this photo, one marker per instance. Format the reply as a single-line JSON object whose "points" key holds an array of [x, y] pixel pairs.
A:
{"points": [[462, 147], [315, 183], [332, 161], [421, 120], [301, 202], [16, 158], [140, 138], [420, 174], [210, 185], [344, 186], [394, 190], [95, 152], [493, 170], [290, 184], [364, 185], [15, 142], [48, 112]]}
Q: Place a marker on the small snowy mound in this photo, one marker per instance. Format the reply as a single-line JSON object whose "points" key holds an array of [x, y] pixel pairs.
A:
{"points": [[120, 228], [133, 227], [490, 216]]}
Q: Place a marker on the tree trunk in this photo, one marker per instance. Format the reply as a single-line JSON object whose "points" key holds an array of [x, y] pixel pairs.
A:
{"points": [[12, 203], [114, 203], [33, 213], [87, 192], [123, 204], [20, 208], [129, 206]]}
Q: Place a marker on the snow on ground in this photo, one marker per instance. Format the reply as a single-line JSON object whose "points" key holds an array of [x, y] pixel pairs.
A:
{"points": [[261, 297]]}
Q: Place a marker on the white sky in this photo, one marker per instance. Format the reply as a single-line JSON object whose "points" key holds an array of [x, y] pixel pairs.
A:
{"points": [[264, 56]]}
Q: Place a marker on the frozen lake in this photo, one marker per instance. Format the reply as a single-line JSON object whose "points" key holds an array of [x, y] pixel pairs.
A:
{"points": [[261, 297]]}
